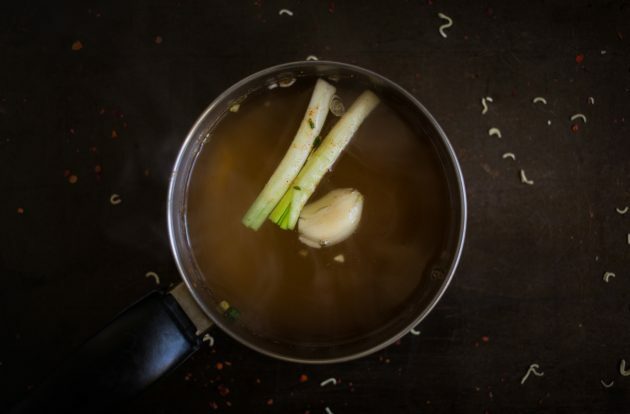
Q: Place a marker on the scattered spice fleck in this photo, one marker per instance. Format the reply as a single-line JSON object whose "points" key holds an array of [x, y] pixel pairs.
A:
{"points": [[234, 108], [77, 45], [73, 179], [219, 365], [114, 134], [331, 7], [608, 275], [115, 199], [549, 122], [213, 405], [622, 368], [449, 23], [495, 131], [272, 86], [311, 57], [339, 258], [509, 155], [485, 339], [270, 401], [98, 169], [66, 173], [20, 210], [158, 40], [575, 128], [579, 58], [303, 378], [539, 99], [285, 11], [224, 304], [208, 338], [223, 390], [332, 381], [607, 385], [532, 370], [154, 276]]}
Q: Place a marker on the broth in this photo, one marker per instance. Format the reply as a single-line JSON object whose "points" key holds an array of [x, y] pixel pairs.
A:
{"points": [[281, 293]]}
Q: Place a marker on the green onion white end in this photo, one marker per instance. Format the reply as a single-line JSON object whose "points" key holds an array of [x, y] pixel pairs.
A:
{"points": [[287, 211], [295, 157]]}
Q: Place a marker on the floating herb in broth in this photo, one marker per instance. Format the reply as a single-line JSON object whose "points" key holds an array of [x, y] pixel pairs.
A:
{"points": [[283, 289]]}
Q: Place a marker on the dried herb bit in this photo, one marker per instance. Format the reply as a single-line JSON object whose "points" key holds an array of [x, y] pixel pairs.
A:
{"points": [[297, 187], [532, 370], [578, 116], [608, 275], [311, 123], [317, 141], [449, 23], [484, 104], [232, 313], [332, 381], [495, 131]]}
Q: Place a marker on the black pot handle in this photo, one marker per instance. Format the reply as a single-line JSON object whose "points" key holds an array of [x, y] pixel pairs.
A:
{"points": [[144, 342]]}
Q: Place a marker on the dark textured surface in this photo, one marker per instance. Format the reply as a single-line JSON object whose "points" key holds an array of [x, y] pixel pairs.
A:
{"points": [[529, 288]]}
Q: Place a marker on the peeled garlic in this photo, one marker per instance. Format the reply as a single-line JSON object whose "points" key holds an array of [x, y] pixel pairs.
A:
{"points": [[331, 219]]}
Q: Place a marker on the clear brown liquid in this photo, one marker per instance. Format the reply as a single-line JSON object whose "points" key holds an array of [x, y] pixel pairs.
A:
{"points": [[280, 293]]}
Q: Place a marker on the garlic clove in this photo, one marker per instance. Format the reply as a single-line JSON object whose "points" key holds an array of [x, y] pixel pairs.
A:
{"points": [[331, 219]]}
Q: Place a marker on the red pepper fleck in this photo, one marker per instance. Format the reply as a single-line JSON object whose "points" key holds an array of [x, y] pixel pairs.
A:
{"points": [[213, 405], [489, 11], [77, 45], [575, 128], [485, 338], [188, 376], [66, 173], [303, 378], [227, 363], [93, 150], [158, 40], [331, 7], [223, 390], [72, 131], [579, 58], [20, 210], [270, 401], [219, 366], [98, 168], [114, 134], [73, 179]]}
